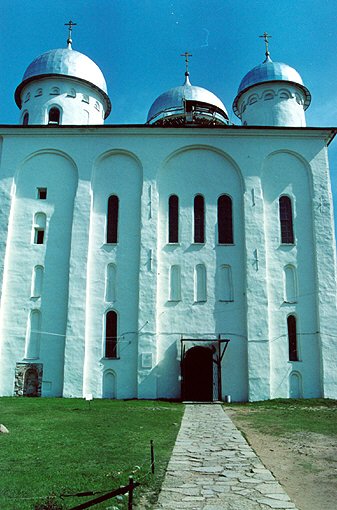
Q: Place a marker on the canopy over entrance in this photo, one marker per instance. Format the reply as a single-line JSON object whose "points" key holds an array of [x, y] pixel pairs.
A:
{"points": [[201, 368]]}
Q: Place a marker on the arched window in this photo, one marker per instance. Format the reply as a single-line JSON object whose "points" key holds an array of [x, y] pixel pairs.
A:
{"points": [[32, 350], [110, 283], [112, 220], [286, 220], [111, 334], [199, 219], [225, 220], [173, 219], [25, 119], [292, 338], [39, 228], [54, 116], [200, 283], [175, 284], [37, 281]]}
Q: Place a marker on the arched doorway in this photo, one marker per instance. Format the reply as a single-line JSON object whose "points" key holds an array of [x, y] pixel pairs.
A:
{"points": [[198, 374], [31, 383]]}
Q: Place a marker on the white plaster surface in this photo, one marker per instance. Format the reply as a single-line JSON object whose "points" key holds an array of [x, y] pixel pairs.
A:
{"points": [[81, 167]]}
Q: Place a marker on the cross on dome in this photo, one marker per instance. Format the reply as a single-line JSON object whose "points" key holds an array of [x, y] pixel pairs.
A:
{"points": [[266, 36], [70, 26], [186, 55]]}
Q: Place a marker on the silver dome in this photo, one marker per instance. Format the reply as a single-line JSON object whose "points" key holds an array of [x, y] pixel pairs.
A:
{"points": [[65, 62], [270, 71], [172, 102]]}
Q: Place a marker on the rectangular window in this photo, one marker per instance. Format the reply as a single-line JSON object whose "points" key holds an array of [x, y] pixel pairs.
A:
{"points": [[42, 193]]}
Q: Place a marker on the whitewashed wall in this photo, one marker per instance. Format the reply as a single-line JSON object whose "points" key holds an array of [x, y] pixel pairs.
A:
{"points": [[143, 166]]}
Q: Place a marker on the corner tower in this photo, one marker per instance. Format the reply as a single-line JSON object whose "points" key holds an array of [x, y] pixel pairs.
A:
{"points": [[272, 94], [63, 86]]}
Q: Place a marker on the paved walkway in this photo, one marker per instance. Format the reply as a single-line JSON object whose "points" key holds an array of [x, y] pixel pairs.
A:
{"points": [[213, 468]]}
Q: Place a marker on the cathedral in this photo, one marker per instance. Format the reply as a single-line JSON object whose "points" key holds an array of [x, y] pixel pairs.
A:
{"points": [[182, 258]]}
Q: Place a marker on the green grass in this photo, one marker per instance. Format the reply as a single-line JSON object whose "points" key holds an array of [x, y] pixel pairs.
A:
{"points": [[279, 417], [63, 446]]}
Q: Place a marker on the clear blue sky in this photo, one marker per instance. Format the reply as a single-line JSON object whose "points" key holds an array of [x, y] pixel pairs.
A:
{"points": [[137, 44]]}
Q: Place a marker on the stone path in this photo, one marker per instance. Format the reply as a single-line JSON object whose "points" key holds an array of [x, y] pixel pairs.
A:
{"points": [[213, 468]]}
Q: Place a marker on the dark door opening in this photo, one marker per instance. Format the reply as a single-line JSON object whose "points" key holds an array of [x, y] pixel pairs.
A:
{"points": [[198, 374]]}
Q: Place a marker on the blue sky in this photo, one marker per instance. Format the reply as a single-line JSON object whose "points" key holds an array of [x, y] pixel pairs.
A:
{"points": [[137, 44]]}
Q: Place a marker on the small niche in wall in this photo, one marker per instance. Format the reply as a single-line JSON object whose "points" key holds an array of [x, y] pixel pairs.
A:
{"points": [[147, 360], [42, 193]]}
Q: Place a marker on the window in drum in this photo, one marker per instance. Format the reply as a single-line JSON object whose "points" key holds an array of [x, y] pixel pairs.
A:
{"points": [[54, 116]]}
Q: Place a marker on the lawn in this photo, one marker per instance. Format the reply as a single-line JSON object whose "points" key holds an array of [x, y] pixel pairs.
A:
{"points": [[65, 446], [280, 417]]}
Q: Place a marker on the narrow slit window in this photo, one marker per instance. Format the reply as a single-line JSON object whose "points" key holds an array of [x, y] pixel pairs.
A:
{"points": [[112, 220], [225, 220], [173, 219], [199, 219], [292, 338], [286, 220], [25, 119], [111, 334]]}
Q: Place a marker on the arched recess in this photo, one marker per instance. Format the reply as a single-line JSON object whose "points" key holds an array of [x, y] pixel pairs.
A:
{"points": [[188, 172], [198, 170], [31, 383], [286, 173], [295, 385], [56, 172], [33, 333], [290, 284], [109, 384], [200, 283], [110, 283], [37, 282], [116, 173]]}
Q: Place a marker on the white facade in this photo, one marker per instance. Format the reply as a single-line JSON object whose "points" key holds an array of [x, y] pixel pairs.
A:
{"points": [[109, 304]]}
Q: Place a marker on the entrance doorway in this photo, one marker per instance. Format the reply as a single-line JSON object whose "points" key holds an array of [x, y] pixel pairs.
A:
{"points": [[198, 374]]}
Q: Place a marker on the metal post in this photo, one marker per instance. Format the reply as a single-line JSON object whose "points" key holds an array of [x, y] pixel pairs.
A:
{"points": [[130, 493], [152, 456]]}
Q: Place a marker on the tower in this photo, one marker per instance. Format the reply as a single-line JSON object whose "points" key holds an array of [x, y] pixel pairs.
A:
{"points": [[63, 86], [272, 94]]}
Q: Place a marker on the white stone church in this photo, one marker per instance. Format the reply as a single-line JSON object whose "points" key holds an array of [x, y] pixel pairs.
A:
{"points": [[185, 257]]}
